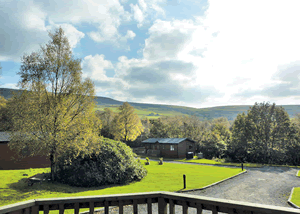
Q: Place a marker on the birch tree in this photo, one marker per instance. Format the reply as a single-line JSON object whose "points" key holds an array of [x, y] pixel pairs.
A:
{"points": [[54, 113]]}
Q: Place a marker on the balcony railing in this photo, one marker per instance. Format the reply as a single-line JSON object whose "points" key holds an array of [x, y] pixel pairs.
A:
{"points": [[162, 198]]}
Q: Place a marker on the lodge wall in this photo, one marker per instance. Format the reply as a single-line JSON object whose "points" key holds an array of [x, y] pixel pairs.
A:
{"points": [[8, 160]]}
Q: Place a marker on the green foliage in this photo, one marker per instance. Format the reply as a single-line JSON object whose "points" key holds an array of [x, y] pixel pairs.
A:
{"points": [[147, 161], [106, 117], [264, 135], [212, 146], [126, 124], [5, 118], [54, 111], [104, 162]]}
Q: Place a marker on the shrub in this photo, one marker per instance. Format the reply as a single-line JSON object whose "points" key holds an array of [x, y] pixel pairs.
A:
{"points": [[104, 162], [147, 161], [160, 162]]}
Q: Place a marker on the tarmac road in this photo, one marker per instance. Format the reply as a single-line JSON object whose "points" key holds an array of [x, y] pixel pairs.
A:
{"points": [[266, 185]]}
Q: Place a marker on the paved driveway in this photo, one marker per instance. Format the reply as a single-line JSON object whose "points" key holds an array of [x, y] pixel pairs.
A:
{"points": [[266, 185]]}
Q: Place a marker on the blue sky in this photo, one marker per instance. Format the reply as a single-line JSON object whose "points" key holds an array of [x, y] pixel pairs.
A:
{"points": [[182, 52]]}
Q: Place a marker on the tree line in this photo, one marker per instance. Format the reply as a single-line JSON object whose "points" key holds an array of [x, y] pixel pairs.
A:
{"points": [[265, 134]]}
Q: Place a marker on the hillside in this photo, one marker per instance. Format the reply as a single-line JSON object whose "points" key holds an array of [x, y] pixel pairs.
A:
{"points": [[156, 110]]}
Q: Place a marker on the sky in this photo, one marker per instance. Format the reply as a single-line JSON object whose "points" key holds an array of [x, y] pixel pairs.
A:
{"points": [[179, 52]]}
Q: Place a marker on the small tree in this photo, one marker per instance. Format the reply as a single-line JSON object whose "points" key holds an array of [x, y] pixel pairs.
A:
{"points": [[54, 113], [127, 124]]}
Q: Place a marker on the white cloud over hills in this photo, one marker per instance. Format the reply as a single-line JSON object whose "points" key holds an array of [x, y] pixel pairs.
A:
{"points": [[237, 53]]}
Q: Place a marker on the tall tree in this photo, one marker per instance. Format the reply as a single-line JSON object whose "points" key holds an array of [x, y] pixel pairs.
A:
{"points": [[54, 113], [127, 124], [264, 133]]}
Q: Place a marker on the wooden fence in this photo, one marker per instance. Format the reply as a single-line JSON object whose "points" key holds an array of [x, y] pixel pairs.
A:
{"points": [[162, 198]]}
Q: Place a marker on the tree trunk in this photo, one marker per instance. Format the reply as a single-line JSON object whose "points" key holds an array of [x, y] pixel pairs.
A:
{"points": [[52, 166]]}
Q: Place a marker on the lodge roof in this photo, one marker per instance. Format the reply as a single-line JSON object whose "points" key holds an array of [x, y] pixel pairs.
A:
{"points": [[166, 140], [4, 136]]}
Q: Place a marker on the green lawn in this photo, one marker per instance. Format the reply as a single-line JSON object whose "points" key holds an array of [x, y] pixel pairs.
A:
{"points": [[296, 196], [298, 173], [207, 161], [166, 177]]}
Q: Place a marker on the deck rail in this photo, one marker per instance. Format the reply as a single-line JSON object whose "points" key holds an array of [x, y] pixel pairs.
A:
{"points": [[166, 204]]}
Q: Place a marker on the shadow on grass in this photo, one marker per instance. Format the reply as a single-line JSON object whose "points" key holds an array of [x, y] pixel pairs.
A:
{"points": [[49, 186]]}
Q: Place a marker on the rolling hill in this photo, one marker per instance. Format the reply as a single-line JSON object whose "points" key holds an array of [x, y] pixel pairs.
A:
{"points": [[153, 111]]}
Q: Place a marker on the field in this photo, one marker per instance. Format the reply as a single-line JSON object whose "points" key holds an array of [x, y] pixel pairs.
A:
{"points": [[149, 113], [166, 177]]}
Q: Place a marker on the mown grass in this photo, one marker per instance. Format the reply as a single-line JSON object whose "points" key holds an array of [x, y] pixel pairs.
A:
{"points": [[222, 162], [166, 177], [214, 162], [296, 196]]}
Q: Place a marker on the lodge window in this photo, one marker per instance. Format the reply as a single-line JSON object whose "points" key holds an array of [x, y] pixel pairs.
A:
{"points": [[172, 148], [190, 147]]}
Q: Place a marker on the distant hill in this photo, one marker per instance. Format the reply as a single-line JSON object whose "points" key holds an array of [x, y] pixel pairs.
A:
{"points": [[153, 111]]}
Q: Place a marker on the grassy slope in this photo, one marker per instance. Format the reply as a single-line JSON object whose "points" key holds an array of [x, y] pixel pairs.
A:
{"points": [[143, 112], [229, 112], [13, 188], [144, 109]]}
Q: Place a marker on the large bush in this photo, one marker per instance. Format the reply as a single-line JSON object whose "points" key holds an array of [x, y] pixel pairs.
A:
{"points": [[103, 162]]}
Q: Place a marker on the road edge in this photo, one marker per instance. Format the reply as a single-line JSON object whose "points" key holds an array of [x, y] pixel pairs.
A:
{"points": [[180, 191]]}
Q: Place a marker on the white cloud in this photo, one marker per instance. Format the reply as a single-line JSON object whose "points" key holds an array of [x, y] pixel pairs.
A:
{"points": [[22, 29], [236, 47], [74, 36], [23, 23], [95, 66], [10, 85], [138, 15], [130, 34], [145, 9], [143, 4]]}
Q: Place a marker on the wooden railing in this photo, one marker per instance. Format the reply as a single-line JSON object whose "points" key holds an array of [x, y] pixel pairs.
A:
{"points": [[166, 204]]}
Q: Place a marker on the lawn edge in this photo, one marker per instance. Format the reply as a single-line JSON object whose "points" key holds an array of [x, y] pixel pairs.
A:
{"points": [[290, 200], [181, 191], [220, 164], [218, 182]]}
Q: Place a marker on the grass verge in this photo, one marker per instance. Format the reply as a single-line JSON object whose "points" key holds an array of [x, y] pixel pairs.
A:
{"points": [[296, 196], [207, 161], [166, 177]]}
